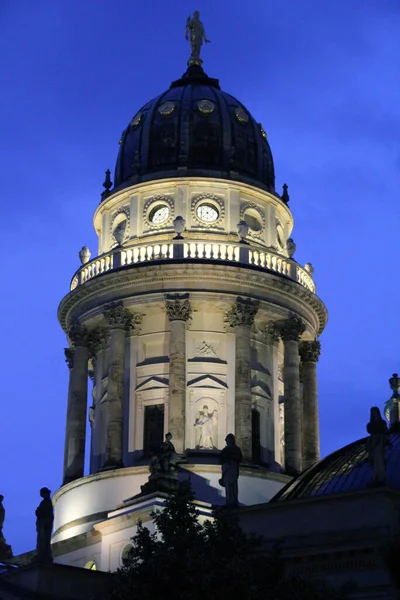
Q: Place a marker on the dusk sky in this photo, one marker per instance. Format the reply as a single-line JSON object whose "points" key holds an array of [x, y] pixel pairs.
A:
{"points": [[323, 78]]}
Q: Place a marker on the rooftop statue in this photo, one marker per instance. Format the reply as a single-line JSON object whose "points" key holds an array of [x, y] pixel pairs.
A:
{"points": [[229, 459], [196, 34], [44, 525], [376, 445]]}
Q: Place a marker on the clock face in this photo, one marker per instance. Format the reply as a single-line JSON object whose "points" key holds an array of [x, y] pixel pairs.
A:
{"points": [[206, 107], [159, 214], [207, 212]]}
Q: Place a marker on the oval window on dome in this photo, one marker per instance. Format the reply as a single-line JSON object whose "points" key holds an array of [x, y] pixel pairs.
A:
{"points": [[207, 212], [206, 107], [137, 119], [166, 109], [241, 115], [159, 214]]}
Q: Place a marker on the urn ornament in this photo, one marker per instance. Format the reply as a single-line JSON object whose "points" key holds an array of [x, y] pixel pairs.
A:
{"points": [[119, 233], [243, 230], [290, 247], [179, 226], [309, 268], [84, 255]]}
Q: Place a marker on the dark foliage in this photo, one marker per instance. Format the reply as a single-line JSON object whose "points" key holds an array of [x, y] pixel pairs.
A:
{"points": [[193, 559]]}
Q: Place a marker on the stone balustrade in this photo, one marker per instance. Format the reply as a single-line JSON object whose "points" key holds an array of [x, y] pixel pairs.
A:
{"points": [[240, 254]]}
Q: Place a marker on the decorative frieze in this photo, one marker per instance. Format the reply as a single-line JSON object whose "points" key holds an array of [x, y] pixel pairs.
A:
{"points": [[242, 312], [310, 351], [178, 307]]}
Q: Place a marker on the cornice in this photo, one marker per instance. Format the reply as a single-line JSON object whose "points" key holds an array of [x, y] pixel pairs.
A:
{"points": [[184, 276]]}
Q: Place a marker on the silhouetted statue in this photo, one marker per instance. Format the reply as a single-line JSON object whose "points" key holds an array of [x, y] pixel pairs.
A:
{"points": [[196, 35], [2, 517], [230, 458], [44, 525], [5, 549], [166, 459], [376, 445]]}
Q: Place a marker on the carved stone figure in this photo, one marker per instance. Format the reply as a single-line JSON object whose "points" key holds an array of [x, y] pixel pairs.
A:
{"points": [[167, 459], [206, 422], [376, 445], [44, 525], [230, 458], [309, 268], [179, 225], [196, 35]]}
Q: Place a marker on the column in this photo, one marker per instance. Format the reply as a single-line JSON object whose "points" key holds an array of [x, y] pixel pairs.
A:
{"points": [[291, 331], [272, 337], [178, 311], [75, 435], [98, 342], [309, 354], [241, 317], [130, 378], [118, 319]]}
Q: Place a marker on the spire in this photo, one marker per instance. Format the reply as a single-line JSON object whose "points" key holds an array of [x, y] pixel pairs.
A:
{"points": [[285, 195]]}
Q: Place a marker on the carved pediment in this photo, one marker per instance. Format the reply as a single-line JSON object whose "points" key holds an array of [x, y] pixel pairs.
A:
{"points": [[153, 383], [207, 381]]}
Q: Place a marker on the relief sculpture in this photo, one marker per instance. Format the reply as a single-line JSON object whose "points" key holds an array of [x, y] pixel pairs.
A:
{"points": [[206, 429]]}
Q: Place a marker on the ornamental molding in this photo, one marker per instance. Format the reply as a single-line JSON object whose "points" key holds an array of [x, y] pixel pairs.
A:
{"points": [[276, 293], [125, 211], [253, 206], [151, 203], [310, 351], [214, 199]]}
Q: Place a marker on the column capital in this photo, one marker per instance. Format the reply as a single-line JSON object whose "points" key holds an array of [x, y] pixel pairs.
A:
{"points": [[242, 312], [291, 329], [78, 334], [69, 357], [272, 334], [117, 316], [98, 340], [134, 324], [178, 307], [309, 351]]}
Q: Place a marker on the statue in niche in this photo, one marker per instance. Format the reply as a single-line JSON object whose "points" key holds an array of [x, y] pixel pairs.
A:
{"points": [[206, 423], [167, 458], [376, 445], [44, 525], [230, 458]]}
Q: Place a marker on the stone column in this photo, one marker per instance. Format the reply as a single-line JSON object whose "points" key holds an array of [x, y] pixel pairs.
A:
{"points": [[272, 337], [309, 354], [98, 342], [291, 331], [118, 319], [241, 317], [178, 311], [75, 435]]}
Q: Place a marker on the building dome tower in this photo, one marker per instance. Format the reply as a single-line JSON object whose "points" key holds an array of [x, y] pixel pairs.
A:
{"points": [[194, 315]]}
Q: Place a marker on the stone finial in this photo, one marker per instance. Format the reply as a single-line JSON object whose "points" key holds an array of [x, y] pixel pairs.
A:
{"points": [[69, 357], [394, 383], [392, 406], [309, 268], [272, 334], [117, 317], [84, 255], [291, 329], [78, 334], [107, 185], [178, 307], [243, 230], [285, 195], [179, 227], [290, 247], [242, 313], [310, 351]]}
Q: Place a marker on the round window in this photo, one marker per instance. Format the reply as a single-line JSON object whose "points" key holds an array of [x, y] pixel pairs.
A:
{"points": [[126, 553], [159, 214], [207, 213], [252, 221]]}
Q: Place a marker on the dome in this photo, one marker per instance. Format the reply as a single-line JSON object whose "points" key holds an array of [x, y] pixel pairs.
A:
{"points": [[346, 470], [194, 129]]}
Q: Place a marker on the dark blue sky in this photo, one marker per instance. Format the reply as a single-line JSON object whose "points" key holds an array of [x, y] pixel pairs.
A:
{"points": [[322, 77]]}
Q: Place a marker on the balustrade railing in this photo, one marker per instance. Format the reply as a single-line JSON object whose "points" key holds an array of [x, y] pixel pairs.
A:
{"points": [[185, 249]]}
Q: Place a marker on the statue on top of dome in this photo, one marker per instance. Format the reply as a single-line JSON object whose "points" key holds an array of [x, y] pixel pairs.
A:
{"points": [[196, 34]]}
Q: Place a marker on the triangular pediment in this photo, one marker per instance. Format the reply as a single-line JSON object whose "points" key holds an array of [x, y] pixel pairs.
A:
{"points": [[207, 381], [261, 389], [153, 383]]}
